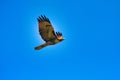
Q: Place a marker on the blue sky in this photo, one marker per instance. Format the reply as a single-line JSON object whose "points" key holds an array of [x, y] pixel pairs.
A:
{"points": [[90, 51]]}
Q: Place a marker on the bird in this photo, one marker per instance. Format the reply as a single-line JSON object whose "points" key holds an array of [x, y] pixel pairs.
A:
{"points": [[47, 32]]}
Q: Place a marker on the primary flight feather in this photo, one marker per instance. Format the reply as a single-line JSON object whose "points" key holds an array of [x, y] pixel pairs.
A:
{"points": [[47, 32]]}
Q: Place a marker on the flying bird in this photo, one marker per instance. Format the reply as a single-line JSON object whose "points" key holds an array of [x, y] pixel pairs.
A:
{"points": [[47, 33]]}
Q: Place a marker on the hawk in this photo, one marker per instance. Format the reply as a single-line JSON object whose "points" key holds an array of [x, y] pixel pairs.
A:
{"points": [[47, 33]]}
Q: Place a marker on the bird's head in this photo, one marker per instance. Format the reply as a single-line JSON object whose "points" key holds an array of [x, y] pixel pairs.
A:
{"points": [[59, 36]]}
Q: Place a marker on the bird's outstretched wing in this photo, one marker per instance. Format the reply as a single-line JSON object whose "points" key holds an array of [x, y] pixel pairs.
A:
{"points": [[45, 29], [43, 45]]}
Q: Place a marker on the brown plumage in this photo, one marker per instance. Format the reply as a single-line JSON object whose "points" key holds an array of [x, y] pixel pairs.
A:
{"points": [[47, 33]]}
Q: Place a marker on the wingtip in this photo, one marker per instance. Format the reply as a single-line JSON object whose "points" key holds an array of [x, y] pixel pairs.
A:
{"points": [[43, 18], [37, 48], [58, 33]]}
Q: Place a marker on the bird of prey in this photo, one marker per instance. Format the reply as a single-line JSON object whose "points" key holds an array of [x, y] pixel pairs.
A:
{"points": [[47, 33]]}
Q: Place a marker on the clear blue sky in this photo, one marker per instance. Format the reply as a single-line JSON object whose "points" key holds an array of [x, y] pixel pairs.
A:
{"points": [[90, 51]]}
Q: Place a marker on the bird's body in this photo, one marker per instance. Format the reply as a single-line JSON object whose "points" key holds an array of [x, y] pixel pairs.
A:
{"points": [[47, 33]]}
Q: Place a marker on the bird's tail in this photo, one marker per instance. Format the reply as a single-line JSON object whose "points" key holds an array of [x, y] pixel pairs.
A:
{"points": [[41, 46]]}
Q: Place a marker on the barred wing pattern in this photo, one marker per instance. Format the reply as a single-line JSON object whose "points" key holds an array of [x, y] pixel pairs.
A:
{"points": [[45, 29]]}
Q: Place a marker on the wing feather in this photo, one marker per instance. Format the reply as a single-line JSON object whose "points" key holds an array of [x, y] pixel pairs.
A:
{"points": [[42, 46], [46, 29]]}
